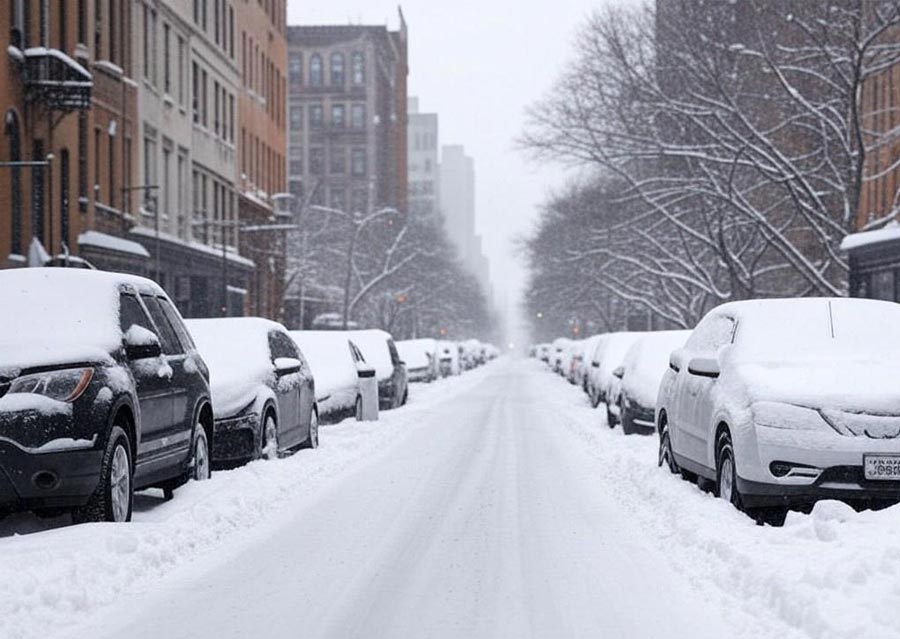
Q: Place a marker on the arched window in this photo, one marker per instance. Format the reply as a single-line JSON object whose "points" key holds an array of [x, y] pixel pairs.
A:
{"points": [[315, 70], [359, 68], [337, 70], [14, 135]]}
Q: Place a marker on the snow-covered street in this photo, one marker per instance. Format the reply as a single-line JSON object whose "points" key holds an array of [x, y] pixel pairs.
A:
{"points": [[497, 504]]}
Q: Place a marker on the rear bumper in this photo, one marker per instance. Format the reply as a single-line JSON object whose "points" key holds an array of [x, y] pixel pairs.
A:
{"points": [[75, 473]]}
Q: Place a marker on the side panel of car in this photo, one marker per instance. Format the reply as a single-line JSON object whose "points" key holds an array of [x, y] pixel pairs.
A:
{"points": [[292, 430]]}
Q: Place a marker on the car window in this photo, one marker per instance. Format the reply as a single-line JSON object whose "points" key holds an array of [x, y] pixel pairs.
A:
{"points": [[395, 356], [131, 313], [177, 325], [280, 345], [357, 354], [167, 337], [711, 334]]}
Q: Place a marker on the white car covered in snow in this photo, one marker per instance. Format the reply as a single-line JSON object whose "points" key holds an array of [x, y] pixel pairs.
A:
{"points": [[420, 356], [339, 369], [448, 358], [608, 356], [641, 372], [380, 351], [784, 402]]}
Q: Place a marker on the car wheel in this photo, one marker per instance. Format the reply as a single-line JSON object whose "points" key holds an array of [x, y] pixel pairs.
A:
{"points": [[405, 397], [113, 499], [200, 466], [625, 419], [359, 409], [726, 472], [611, 419], [313, 440], [595, 399], [269, 440], [666, 458]]}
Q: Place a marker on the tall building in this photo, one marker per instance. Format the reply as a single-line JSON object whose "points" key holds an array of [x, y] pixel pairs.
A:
{"points": [[347, 116], [424, 163], [69, 106], [262, 148], [457, 198], [186, 55]]}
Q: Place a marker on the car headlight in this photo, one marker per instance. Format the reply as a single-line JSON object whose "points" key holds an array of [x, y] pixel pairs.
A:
{"points": [[788, 417], [63, 386]]}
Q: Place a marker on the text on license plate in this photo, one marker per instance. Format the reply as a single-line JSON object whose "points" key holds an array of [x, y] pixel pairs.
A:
{"points": [[886, 467]]}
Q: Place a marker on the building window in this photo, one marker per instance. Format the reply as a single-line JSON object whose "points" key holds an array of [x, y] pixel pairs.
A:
{"points": [[338, 164], [166, 179], [150, 45], [296, 118], [358, 162], [82, 22], [231, 32], [296, 161], [62, 24], [98, 31], [167, 61], [180, 194], [882, 285], [37, 191], [339, 199], [111, 20], [317, 160], [111, 169], [315, 116], [359, 68], [315, 70], [216, 21], [150, 167], [337, 70], [358, 116], [295, 67], [82, 162], [337, 116], [216, 104], [231, 119], [64, 196], [181, 74], [195, 99], [204, 99], [14, 136]]}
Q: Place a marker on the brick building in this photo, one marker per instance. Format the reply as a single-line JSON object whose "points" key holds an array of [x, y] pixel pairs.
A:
{"points": [[348, 116], [69, 105]]}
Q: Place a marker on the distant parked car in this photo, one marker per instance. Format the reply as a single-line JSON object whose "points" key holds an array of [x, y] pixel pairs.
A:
{"points": [[102, 393], [338, 367], [262, 389], [781, 403], [420, 356], [380, 351], [607, 358], [543, 352], [641, 372], [583, 370]]}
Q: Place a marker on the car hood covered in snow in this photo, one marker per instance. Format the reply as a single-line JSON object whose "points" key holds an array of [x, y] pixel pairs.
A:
{"points": [[236, 350]]}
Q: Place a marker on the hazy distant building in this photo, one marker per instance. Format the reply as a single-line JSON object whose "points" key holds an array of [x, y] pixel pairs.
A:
{"points": [[457, 199], [347, 116], [424, 162]]}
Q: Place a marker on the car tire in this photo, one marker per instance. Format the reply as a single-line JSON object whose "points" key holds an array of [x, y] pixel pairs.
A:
{"points": [[726, 471], [405, 397], [611, 419], [200, 468], [626, 421], [113, 499], [595, 399], [268, 441], [313, 440], [666, 457], [359, 409]]}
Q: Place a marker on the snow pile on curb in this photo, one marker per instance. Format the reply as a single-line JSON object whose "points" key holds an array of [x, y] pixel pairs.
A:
{"points": [[53, 579], [831, 574]]}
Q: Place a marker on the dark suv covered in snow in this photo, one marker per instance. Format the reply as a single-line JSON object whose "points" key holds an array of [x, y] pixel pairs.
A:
{"points": [[101, 392]]}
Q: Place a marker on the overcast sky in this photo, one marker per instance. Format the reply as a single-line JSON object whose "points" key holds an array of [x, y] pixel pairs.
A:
{"points": [[479, 64]]}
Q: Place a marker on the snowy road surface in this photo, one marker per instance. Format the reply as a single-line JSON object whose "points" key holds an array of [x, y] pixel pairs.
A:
{"points": [[496, 505]]}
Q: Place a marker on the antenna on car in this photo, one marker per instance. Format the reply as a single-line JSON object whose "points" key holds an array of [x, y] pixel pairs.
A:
{"points": [[831, 319]]}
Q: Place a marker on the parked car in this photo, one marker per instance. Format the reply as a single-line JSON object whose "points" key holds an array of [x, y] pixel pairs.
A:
{"points": [[781, 403], [543, 352], [263, 391], [558, 355], [607, 358], [102, 393], [420, 356], [583, 370], [640, 373], [338, 367], [380, 351], [448, 358]]}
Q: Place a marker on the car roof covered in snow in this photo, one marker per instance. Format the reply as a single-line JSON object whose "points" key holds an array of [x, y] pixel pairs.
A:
{"points": [[329, 357], [416, 352], [647, 361], [55, 315]]}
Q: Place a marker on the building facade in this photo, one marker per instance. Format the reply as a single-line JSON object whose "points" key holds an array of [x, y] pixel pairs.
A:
{"points": [[347, 116], [69, 111], [457, 198], [262, 149], [424, 162]]}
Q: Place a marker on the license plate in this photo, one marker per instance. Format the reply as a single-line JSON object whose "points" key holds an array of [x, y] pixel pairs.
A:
{"points": [[882, 467]]}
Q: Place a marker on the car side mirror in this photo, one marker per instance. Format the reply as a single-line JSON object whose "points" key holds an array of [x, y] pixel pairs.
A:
{"points": [[287, 366], [595, 364], [619, 372], [704, 367], [675, 360], [141, 343], [365, 371]]}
